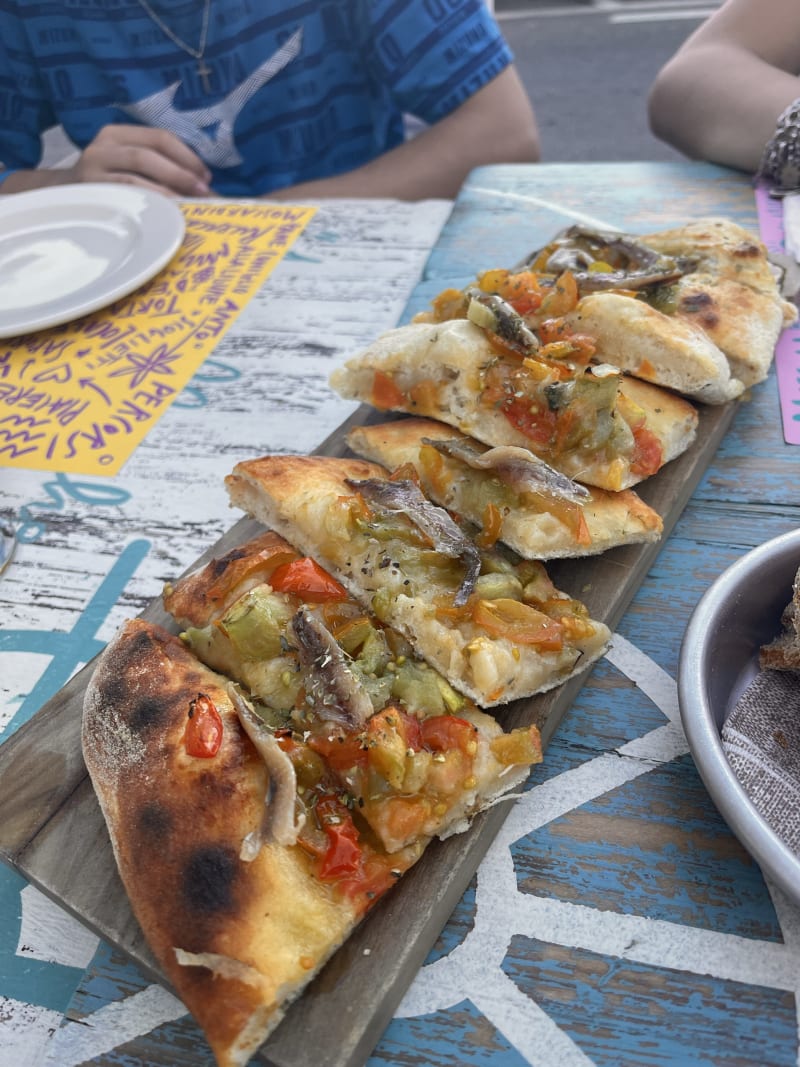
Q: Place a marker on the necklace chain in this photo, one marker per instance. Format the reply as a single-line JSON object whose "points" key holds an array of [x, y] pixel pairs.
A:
{"points": [[196, 53]]}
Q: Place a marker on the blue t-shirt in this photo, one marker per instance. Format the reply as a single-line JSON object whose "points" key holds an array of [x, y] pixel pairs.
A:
{"points": [[294, 91]]}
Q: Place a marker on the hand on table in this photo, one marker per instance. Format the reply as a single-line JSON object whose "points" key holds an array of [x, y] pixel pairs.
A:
{"points": [[141, 155]]}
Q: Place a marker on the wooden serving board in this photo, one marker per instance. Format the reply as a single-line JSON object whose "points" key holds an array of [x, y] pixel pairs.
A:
{"points": [[52, 831]]}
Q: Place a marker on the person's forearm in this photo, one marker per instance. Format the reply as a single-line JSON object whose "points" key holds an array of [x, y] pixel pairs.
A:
{"points": [[145, 156], [416, 170], [20, 181], [720, 103], [495, 126], [408, 172]]}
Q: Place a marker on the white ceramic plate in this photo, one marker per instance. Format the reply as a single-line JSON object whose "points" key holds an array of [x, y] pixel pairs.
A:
{"points": [[68, 250]]}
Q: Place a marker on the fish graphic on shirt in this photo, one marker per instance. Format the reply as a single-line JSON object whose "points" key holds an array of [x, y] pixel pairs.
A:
{"points": [[219, 150]]}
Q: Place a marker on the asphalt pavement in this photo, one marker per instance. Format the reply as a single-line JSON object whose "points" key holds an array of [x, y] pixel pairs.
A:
{"points": [[587, 66]]}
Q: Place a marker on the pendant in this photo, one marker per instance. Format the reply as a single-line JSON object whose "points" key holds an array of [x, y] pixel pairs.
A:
{"points": [[204, 73]]}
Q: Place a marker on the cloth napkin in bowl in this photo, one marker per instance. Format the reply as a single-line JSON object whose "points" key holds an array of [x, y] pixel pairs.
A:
{"points": [[761, 740]]}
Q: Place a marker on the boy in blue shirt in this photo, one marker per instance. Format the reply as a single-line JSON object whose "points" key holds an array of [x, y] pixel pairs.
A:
{"points": [[260, 97]]}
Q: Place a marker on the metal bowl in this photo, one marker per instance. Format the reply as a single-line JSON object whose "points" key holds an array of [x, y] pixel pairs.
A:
{"points": [[719, 658]]}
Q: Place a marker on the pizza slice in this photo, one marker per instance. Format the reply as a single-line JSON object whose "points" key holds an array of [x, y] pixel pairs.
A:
{"points": [[732, 294], [721, 247], [244, 848], [415, 757], [638, 337], [182, 788], [587, 421], [696, 308], [507, 492], [493, 625]]}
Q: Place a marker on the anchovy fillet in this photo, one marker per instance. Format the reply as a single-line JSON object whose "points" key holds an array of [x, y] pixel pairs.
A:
{"points": [[636, 266], [508, 323], [333, 688], [515, 466], [405, 497], [279, 823]]}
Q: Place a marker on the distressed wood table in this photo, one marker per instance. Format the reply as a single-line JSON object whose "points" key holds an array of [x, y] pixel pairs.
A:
{"points": [[614, 919]]}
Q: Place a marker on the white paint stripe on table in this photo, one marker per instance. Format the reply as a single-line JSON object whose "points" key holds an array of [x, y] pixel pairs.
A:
{"points": [[26, 1030], [49, 933], [109, 1027]]}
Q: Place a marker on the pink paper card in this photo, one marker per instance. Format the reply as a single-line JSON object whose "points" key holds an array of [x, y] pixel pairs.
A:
{"points": [[787, 350]]}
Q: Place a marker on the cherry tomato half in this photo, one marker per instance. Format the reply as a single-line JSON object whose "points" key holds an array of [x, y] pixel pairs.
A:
{"points": [[203, 734], [305, 578]]}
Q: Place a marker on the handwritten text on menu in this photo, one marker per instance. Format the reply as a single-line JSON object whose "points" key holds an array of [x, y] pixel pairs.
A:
{"points": [[79, 398]]}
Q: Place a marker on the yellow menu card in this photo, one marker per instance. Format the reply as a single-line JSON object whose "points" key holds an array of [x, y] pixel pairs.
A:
{"points": [[79, 398]]}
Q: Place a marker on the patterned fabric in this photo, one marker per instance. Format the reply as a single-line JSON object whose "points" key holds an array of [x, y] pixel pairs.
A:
{"points": [[780, 163], [298, 90], [761, 740]]}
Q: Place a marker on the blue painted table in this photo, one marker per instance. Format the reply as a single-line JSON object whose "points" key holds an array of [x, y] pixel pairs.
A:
{"points": [[615, 920]]}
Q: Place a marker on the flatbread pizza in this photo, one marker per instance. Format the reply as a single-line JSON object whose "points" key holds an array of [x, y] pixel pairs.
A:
{"points": [[321, 669], [672, 352], [235, 938], [507, 492], [696, 308], [253, 829], [732, 294], [272, 771], [587, 421], [493, 625]]}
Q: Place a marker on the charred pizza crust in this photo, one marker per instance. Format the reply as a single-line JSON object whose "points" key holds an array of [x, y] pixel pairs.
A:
{"points": [[544, 529], [237, 939], [205, 594], [731, 295], [720, 247], [241, 908], [696, 308], [743, 323]]}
